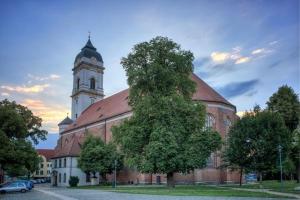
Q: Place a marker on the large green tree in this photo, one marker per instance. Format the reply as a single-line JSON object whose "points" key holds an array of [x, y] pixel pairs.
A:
{"points": [[165, 133], [96, 156], [286, 102], [18, 127]]}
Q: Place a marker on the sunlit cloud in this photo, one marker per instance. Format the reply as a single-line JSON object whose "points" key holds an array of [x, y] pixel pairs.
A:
{"points": [[220, 56], [4, 94], [50, 114], [44, 78], [26, 89], [241, 113], [242, 60], [233, 56]]}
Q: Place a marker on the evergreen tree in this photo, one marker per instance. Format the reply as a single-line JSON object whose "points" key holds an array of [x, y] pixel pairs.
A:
{"points": [[286, 102]]}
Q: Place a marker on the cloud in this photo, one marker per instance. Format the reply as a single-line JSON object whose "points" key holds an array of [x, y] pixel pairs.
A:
{"points": [[242, 60], [273, 42], [233, 56], [220, 57], [5, 94], [238, 88], [258, 51], [44, 78], [240, 113], [26, 89], [51, 114]]}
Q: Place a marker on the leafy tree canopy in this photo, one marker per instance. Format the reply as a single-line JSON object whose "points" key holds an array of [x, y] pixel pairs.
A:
{"points": [[165, 133], [253, 142], [286, 102], [18, 127], [96, 156]]}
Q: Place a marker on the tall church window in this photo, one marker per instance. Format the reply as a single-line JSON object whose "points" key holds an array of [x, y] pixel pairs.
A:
{"points": [[78, 83], [92, 83], [227, 123], [210, 121]]}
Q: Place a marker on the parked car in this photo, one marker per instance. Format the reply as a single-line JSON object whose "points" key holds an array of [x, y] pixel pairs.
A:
{"points": [[14, 187], [34, 181], [28, 184]]}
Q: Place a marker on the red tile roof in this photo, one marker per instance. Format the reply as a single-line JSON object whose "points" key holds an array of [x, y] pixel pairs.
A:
{"points": [[69, 145], [117, 104], [205, 93], [48, 153]]}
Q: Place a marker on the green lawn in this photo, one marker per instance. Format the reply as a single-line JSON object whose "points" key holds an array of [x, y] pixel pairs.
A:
{"points": [[287, 186], [180, 190]]}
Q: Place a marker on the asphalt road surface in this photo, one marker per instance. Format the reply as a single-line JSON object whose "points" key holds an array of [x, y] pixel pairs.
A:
{"points": [[46, 192]]}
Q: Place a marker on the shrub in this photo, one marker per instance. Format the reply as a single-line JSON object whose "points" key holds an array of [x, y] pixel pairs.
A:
{"points": [[73, 181]]}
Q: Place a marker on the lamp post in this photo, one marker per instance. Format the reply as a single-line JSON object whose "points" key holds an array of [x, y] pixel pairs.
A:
{"points": [[280, 163], [115, 174]]}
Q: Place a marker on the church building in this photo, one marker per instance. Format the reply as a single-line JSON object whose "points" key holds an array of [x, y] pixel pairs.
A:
{"points": [[94, 114]]}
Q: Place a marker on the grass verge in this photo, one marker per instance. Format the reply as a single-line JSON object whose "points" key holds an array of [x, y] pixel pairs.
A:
{"points": [[180, 190], [286, 187]]}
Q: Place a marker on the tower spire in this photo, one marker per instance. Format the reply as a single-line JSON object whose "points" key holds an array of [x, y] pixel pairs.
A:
{"points": [[89, 35]]}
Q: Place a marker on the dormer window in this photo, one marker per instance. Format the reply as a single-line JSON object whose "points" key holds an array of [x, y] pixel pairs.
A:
{"points": [[92, 83]]}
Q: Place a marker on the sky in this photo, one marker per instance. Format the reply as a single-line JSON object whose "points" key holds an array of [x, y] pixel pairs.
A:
{"points": [[243, 49]]}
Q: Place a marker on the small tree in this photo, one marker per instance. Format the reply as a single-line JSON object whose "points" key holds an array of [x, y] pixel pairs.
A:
{"points": [[165, 133], [96, 156], [238, 155], [73, 181]]}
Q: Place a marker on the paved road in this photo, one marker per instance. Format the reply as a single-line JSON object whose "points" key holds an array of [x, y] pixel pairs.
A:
{"points": [[49, 193]]}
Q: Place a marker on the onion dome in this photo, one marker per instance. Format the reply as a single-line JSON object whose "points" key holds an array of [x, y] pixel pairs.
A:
{"points": [[89, 51]]}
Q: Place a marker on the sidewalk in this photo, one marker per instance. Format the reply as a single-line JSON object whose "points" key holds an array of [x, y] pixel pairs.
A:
{"points": [[270, 192]]}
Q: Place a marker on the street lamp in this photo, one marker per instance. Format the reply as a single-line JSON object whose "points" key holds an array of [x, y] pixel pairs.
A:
{"points": [[115, 174], [280, 163]]}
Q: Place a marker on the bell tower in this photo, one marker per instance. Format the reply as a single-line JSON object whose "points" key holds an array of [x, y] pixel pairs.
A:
{"points": [[87, 79]]}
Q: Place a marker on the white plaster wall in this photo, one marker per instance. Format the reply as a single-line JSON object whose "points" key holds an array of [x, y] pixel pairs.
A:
{"points": [[86, 94], [71, 170]]}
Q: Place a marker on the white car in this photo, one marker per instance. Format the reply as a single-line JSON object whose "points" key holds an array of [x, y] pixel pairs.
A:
{"points": [[14, 187]]}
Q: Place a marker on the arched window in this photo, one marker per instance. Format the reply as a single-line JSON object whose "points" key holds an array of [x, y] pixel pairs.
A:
{"points": [[227, 123], [78, 83], [92, 83], [210, 121]]}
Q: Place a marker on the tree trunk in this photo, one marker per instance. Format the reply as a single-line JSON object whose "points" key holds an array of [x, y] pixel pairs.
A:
{"points": [[241, 176], [170, 179], [298, 173], [103, 177]]}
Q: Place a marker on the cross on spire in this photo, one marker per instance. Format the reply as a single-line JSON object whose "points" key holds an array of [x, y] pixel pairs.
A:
{"points": [[89, 34]]}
